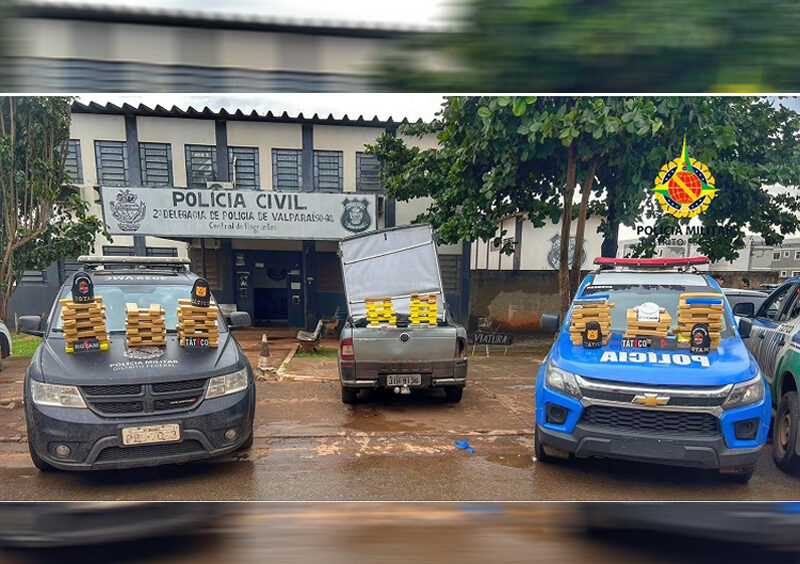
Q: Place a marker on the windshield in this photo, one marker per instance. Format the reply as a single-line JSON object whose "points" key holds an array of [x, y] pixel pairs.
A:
{"points": [[627, 296], [115, 298]]}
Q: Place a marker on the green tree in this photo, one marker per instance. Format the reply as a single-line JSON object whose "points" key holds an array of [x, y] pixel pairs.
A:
{"points": [[43, 217], [500, 156], [608, 46]]}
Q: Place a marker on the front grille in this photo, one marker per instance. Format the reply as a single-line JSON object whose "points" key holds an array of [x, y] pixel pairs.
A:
{"points": [[627, 397], [120, 454], [651, 421], [115, 390], [132, 400], [118, 407], [165, 387]]}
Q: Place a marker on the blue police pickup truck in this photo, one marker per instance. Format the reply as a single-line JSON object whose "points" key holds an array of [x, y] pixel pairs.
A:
{"points": [[650, 365]]}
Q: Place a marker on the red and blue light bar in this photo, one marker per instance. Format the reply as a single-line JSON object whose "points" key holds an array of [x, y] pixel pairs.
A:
{"points": [[650, 263]]}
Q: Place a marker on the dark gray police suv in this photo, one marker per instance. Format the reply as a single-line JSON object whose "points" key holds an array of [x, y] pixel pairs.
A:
{"points": [[136, 406]]}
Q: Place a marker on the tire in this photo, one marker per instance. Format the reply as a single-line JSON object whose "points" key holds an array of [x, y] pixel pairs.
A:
{"points": [[349, 395], [785, 431], [37, 460], [538, 449], [741, 476], [453, 394]]}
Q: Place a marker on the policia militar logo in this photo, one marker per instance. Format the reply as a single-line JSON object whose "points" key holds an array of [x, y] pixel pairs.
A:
{"points": [[82, 288], [684, 186], [355, 217]]}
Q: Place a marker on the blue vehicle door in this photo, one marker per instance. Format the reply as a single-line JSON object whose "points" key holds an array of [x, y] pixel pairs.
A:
{"points": [[770, 328]]}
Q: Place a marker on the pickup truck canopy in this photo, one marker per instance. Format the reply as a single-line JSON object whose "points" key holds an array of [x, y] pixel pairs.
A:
{"points": [[393, 263]]}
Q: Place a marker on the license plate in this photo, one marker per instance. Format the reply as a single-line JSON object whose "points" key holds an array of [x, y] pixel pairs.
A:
{"points": [[636, 343], [404, 380], [151, 434], [197, 342]]}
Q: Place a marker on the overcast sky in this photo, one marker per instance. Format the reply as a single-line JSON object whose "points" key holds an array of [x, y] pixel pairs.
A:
{"points": [[408, 12]]}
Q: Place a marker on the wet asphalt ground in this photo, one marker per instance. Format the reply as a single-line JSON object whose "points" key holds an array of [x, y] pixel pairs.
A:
{"points": [[402, 533], [309, 446]]}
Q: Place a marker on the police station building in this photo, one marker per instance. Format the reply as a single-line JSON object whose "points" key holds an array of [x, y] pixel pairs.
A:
{"points": [[257, 202]]}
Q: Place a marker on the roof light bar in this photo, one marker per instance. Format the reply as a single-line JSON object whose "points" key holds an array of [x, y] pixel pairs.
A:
{"points": [[651, 263]]}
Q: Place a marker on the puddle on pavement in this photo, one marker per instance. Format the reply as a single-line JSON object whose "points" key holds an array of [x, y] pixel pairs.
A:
{"points": [[511, 460]]}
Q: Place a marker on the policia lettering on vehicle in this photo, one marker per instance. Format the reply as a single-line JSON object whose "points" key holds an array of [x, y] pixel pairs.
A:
{"points": [[649, 365]]}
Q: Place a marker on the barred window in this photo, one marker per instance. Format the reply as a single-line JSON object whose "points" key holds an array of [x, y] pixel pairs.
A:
{"points": [[287, 169], [112, 163], [74, 164], [328, 174], [33, 276], [161, 252], [368, 168], [156, 163], [117, 251], [243, 164], [201, 165]]}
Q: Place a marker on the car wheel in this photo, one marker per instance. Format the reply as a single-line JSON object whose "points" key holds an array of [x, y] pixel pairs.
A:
{"points": [[349, 395], [739, 475], [538, 449], [453, 394], [37, 460], [784, 433]]}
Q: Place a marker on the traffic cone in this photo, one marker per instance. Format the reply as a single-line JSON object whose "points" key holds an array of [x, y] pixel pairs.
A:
{"points": [[264, 357]]}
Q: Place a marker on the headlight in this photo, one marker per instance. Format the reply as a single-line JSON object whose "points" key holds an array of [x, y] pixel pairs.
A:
{"points": [[56, 395], [561, 380], [227, 384], [745, 393]]}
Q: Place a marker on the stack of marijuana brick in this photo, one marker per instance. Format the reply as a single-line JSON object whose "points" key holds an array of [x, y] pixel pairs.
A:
{"points": [[84, 321], [197, 321], [145, 327], [380, 310], [700, 307], [586, 310], [423, 309], [638, 328]]}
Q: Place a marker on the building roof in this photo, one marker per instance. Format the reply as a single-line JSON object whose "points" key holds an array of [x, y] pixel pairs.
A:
{"points": [[238, 115], [205, 19]]}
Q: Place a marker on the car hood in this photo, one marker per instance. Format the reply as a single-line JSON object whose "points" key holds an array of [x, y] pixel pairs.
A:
{"points": [[730, 363], [137, 365]]}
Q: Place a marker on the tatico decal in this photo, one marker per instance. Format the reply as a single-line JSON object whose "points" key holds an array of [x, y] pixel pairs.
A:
{"points": [[641, 357]]}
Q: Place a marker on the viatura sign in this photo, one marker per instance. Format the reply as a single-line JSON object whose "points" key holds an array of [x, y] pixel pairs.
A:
{"points": [[236, 213]]}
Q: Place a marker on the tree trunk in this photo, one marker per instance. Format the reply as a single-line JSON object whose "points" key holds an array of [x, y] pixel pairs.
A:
{"points": [[609, 248], [566, 218], [580, 229]]}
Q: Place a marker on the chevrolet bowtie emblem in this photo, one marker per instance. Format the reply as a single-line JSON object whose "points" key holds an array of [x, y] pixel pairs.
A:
{"points": [[651, 400]]}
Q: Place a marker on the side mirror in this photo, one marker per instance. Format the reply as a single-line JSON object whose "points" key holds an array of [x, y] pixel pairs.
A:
{"points": [[239, 320], [31, 325], [744, 309], [745, 326], [550, 322]]}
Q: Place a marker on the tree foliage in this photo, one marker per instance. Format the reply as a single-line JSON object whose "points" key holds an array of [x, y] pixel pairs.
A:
{"points": [[43, 218], [608, 46], [502, 156]]}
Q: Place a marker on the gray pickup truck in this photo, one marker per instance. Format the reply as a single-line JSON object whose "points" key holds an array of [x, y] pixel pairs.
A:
{"points": [[399, 334]]}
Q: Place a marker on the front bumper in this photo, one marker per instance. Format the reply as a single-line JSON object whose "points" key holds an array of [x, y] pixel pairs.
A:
{"points": [[96, 442], [437, 374], [721, 450]]}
